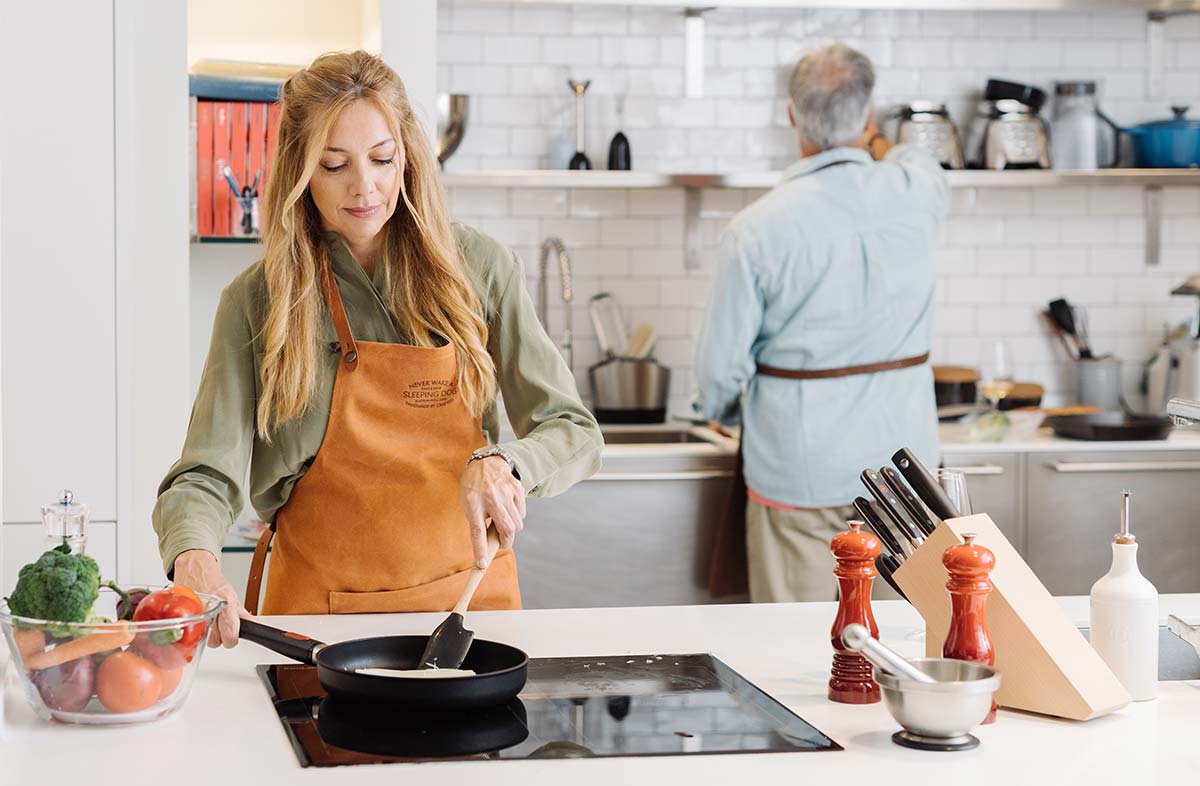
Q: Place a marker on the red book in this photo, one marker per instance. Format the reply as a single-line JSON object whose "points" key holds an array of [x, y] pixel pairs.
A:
{"points": [[272, 136], [221, 193], [238, 137], [204, 166], [258, 142]]}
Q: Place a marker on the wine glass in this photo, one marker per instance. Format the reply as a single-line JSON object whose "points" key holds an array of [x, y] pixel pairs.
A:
{"points": [[954, 483], [996, 373]]}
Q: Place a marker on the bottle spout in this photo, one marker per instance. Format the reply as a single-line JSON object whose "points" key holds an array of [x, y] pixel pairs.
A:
{"points": [[1125, 535]]}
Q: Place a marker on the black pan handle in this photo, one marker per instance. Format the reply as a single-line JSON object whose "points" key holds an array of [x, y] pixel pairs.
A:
{"points": [[293, 645], [924, 484]]}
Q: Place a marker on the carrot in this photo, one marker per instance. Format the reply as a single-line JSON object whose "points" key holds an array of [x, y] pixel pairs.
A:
{"points": [[80, 648], [29, 641]]}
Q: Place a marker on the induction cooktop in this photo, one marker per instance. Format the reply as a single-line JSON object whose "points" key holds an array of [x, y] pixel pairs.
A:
{"points": [[628, 705]]}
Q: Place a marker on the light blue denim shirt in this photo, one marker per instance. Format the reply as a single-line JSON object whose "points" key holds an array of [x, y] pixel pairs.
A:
{"points": [[833, 267]]}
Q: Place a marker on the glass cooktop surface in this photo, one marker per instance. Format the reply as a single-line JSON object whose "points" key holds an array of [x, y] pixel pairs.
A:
{"points": [[628, 705]]}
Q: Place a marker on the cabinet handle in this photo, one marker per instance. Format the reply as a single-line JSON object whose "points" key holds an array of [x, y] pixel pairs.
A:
{"points": [[700, 474], [1125, 466], [980, 469]]}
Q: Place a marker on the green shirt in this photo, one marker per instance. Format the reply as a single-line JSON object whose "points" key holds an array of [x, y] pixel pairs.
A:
{"points": [[558, 441]]}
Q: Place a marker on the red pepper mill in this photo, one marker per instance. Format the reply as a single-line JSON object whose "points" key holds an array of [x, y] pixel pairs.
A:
{"points": [[855, 552], [968, 639]]}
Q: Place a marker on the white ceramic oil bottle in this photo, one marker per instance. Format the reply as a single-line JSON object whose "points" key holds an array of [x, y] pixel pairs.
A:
{"points": [[1124, 627]]}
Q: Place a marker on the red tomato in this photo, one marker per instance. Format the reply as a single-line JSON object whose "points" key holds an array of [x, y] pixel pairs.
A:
{"points": [[127, 683], [170, 649], [170, 681]]}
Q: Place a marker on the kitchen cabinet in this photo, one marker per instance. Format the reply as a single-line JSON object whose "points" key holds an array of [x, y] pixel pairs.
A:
{"points": [[1074, 508], [996, 487], [58, 307], [638, 533], [24, 543]]}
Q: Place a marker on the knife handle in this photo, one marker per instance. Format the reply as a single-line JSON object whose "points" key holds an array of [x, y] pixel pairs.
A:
{"points": [[924, 484], [890, 504], [886, 565], [868, 514], [916, 509]]}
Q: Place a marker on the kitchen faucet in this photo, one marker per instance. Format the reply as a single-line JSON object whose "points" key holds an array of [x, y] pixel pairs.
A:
{"points": [[568, 295]]}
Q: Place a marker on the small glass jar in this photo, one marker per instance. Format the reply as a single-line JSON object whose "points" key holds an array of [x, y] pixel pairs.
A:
{"points": [[65, 522]]}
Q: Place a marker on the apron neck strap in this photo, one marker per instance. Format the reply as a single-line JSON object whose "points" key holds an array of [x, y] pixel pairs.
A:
{"points": [[333, 298]]}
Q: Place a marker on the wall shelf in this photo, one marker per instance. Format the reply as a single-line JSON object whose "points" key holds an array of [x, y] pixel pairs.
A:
{"points": [[230, 239], [968, 178]]}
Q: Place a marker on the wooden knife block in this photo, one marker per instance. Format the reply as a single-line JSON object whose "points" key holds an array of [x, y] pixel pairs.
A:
{"points": [[1046, 664]]}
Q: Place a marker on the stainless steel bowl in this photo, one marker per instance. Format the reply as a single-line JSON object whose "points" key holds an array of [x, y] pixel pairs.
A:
{"points": [[627, 390], [947, 709]]}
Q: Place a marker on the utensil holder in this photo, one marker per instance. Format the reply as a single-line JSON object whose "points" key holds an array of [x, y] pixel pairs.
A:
{"points": [[1048, 667]]}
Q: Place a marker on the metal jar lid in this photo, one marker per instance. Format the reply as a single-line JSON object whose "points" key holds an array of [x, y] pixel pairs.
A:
{"points": [[1076, 88]]}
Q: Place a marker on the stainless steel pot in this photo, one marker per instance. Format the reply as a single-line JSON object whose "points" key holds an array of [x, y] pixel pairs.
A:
{"points": [[627, 390]]}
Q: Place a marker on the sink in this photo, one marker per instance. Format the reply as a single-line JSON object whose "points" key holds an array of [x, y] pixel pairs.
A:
{"points": [[656, 437], [1176, 659]]}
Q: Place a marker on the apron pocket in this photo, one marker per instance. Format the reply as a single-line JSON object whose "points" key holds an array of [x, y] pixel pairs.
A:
{"points": [[498, 590]]}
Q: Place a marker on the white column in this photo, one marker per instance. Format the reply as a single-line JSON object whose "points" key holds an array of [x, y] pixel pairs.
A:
{"points": [[152, 224], [410, 47]]}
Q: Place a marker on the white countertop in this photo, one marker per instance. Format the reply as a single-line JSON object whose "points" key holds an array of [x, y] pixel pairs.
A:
{"points": [[953, 439], [228, 731]]}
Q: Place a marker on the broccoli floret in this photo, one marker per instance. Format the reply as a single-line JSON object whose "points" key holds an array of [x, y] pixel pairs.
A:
{"points": [[60, 586]]}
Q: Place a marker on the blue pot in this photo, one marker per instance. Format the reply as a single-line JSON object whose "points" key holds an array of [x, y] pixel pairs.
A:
{"points": [[1167, 144]]}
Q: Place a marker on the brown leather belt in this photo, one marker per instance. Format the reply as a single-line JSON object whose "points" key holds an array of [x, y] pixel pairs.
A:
{"points": [[844, 371]]}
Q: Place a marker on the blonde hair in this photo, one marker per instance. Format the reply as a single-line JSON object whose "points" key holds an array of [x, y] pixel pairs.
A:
{"points": [[426, 285]]}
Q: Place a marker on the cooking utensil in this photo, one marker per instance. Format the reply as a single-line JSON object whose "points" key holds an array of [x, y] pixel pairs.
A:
{"points": [[609, 325], [892, 508], [1068, 344], [625, 390], [858, 638], [954, 385], [939, 716], [1076, 143], [1083, 332], [1014, 137], [1110, 426], [452, 123], [1167, 144], [580, 159], [916, 509], [924, 484], [882, 531], [927, 125], [1022, 395], [1189, 633], [1064, 317], [641, 341], [448, 646], [500, 670]]}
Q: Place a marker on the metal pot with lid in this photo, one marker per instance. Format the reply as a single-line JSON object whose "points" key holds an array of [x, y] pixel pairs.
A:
{"points": [[927, 125]]}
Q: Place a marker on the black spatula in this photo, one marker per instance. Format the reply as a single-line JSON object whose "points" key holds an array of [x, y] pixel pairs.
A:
{"points": [[450, 642]]}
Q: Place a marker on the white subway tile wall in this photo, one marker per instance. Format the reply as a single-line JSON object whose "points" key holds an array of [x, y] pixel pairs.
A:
{"points": [[1004, 253]]}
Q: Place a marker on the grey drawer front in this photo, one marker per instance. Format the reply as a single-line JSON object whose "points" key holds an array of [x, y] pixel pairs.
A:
{"points": [[1074, 509], [994, 481]]}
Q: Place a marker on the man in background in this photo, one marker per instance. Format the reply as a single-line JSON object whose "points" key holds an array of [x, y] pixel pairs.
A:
{"points": [[818, 333]]}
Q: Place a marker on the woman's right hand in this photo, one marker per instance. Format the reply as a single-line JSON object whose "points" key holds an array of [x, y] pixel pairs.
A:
{"points": [[199, 570]]}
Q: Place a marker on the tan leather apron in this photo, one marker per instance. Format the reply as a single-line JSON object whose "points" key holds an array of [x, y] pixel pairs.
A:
{"points": [[728, 571], [375, 525]]}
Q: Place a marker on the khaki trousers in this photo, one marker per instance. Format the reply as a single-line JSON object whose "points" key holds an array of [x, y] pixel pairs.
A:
{"points": [[788, 554]]}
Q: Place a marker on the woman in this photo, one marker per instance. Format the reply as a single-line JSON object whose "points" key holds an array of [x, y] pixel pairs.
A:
{"points": [[354, 369]]}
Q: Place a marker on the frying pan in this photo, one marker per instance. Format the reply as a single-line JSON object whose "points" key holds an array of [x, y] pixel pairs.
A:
{"points": [[1110, 426], [500, 670], [381, 733]]}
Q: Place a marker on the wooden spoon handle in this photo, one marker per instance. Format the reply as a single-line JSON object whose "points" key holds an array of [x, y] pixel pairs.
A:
{"points": [[493, 545]]}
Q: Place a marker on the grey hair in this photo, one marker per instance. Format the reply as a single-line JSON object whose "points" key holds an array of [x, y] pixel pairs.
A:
{"points": [[831, 95]]}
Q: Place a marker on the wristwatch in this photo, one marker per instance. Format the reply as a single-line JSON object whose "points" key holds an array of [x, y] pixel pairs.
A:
{"points": [[495, 450]]}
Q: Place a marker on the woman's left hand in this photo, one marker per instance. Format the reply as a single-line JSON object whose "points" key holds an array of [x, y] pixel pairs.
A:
{"points": [[489, 490]]}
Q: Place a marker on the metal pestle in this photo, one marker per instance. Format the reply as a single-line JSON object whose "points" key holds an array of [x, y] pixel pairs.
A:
{"points": [[859, 639]]}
